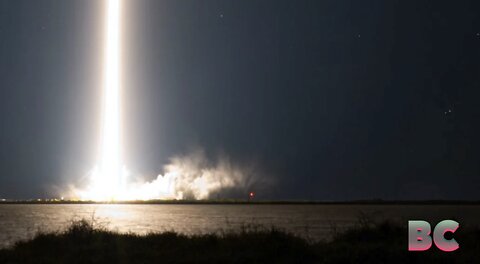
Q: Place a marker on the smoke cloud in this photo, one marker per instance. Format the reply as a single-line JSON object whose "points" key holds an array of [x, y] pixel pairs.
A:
{"points": [[191, 176]]}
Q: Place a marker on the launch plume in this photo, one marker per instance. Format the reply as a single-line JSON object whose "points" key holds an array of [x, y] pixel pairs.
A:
{"points": [[190, 176], [185, 177]]}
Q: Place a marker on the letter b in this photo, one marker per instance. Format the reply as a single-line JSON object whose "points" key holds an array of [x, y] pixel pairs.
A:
{"points": [[419, 235]]}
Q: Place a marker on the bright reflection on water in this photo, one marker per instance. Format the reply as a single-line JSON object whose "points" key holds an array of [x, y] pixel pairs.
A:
{"points": [[19, 222]]}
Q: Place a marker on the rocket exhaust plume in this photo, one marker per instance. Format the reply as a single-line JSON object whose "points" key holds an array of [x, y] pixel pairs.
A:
{"points": [[186, 177], [110, 166], [107, 175]]}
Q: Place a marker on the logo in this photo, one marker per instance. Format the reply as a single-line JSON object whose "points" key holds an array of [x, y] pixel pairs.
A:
{"points": [[419, 238]]}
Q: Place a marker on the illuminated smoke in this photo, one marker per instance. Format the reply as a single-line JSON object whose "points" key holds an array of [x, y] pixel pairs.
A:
{"points": [[187, 177], [191, 177]]}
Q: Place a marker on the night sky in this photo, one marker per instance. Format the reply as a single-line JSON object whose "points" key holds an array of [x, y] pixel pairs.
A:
{"points": [[335, 100]]}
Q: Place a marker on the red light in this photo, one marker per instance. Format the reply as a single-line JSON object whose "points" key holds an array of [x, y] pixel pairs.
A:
{"points": [[252, 194]]}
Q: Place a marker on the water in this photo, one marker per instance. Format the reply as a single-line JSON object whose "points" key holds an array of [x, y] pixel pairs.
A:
{"points": [[19, 222]]}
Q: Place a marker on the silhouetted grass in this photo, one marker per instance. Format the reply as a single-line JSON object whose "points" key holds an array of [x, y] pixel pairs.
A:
{"points": [[87, 242]]}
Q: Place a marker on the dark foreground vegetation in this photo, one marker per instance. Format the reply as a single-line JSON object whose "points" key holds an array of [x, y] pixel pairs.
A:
{"points": [[84, 242]]}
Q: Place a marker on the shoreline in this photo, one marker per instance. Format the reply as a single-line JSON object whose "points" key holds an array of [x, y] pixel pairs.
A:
{"points": [[244, 202]]}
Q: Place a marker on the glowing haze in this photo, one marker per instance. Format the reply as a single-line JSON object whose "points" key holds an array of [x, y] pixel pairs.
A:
{"points": [[190, 176]]}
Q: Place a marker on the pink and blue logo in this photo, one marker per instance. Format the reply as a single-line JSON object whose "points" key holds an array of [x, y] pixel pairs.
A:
{"points": [[419, 238]]}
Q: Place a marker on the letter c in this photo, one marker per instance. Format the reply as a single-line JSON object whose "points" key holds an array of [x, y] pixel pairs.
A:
{"points": [[439, 235]]}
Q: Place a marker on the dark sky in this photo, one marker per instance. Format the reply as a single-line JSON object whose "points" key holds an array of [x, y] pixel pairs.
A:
{"points": [[339, 99]]}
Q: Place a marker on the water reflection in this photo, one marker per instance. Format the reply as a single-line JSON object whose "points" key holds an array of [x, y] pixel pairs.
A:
{"points": [[313, 221]]}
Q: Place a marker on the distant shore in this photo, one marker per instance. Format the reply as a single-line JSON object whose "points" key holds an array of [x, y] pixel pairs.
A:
{"points": [[259, 202]]}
